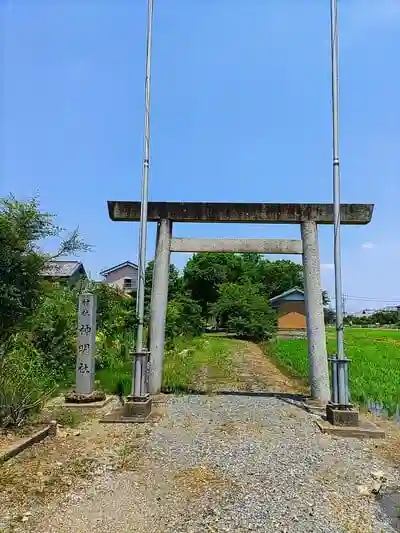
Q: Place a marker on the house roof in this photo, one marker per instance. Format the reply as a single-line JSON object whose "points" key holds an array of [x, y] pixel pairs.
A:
{"points": [[62, 269], [286, 293], [117, 267]]}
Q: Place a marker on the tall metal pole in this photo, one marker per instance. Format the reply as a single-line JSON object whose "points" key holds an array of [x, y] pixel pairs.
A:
{"points": [[340, 355], [138, 370]]}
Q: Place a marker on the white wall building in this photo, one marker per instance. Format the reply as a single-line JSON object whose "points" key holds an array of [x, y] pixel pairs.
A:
{"points": [[123, 277]]}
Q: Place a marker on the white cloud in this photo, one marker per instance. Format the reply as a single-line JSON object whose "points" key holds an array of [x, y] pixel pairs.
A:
{"points": [[327, 266], [368, 245]]}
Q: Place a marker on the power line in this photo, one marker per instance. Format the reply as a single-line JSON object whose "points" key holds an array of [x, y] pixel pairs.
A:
{"points": [[373, 299]]}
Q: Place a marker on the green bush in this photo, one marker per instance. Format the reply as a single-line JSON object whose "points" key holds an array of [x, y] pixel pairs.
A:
{"points": [[184, 318], [116, 312], [53, 330], [113, 351], [25, 382], [116, 326], [22, 227], [245, 311]]}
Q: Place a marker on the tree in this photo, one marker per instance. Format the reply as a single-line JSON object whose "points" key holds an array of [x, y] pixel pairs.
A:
{"points": [[204, 273], [184, 318], [116, 311], [244, 309], [280, 276], [22, 227], [175, 283]]}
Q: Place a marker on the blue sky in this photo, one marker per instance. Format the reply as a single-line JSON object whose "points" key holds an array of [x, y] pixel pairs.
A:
{"points": [[240, 112]]}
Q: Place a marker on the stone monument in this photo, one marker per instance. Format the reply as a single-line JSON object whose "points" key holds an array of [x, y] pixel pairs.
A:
{"points": [[86, 351], [86, 347]]}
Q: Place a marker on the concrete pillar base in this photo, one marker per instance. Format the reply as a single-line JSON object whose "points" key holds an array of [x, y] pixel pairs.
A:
{"points": [[133, 412], [136, 407], [342, 416]]}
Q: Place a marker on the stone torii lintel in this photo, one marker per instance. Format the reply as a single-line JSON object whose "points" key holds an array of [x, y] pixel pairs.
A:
{"points": [[228, 212]]}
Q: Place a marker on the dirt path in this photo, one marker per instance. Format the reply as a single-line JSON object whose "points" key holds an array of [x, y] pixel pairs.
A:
{"points": [[255, 372], [207, 464]]}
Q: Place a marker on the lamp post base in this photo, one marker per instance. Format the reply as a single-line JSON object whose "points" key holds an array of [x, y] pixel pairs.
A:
{"points": [[133, 412], [342, 415], [137, 407]]}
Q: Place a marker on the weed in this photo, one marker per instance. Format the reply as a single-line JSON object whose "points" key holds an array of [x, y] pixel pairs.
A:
{"points": [[68, 417]]}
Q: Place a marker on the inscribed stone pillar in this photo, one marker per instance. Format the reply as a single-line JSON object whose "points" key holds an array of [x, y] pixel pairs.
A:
{"points": [[317, 354], [86, 351]]}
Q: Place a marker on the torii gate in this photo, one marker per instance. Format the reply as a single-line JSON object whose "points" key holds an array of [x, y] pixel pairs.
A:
{"points": [[307, 215]]}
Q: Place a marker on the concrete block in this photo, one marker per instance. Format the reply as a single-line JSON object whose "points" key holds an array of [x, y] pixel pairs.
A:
{"points": [[314, 406], [18, 447], [137, 408], [341, 417], [133, 412], [365, 429]]}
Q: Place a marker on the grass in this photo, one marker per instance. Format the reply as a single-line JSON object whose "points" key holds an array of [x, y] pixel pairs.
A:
{"points": [[191, 364], [375, 363]]}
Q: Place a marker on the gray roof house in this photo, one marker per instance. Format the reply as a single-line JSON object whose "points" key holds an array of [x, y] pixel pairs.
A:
{"points": [[123, 277], [69, 272]]}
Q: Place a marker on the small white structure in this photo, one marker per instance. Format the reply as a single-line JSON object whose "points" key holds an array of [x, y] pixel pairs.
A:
{"points": [[86, 349], [123, 277]]}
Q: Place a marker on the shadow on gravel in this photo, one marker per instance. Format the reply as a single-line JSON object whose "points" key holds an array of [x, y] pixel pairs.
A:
{"points": [[285, 396], [390, 505]]}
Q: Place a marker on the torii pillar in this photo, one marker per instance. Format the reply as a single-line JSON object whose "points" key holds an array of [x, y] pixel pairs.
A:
{"points": [[307, 215]]}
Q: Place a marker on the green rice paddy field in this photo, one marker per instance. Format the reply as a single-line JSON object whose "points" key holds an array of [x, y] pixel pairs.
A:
{"points": [[374, 368]]}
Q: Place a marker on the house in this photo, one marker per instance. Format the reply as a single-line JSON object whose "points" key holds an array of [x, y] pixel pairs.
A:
{"points": [[64, 272], [291, 311], [123, 277]]}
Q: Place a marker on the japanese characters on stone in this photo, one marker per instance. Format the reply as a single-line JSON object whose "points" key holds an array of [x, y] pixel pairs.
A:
{"points": [[86, 350]]}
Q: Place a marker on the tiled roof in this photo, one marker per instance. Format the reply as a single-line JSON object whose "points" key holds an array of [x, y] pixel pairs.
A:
{"points": [[61, 269]]}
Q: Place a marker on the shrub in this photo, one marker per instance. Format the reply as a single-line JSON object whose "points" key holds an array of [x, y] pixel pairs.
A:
{"points": [[112, 352], [184, 318], [115, 311], [22, 227], [25, 383], [245, 311], [53, 330]]}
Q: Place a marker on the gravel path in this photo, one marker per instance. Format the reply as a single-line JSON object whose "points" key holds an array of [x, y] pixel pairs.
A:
{"points": [[229, 464]]}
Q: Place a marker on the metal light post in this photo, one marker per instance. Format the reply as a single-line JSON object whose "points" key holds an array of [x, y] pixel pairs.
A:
{"points": [[340, 388], [141, 357]]}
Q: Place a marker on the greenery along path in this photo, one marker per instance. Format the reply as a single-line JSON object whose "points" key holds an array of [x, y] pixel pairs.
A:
{"points": [[210, 363]]}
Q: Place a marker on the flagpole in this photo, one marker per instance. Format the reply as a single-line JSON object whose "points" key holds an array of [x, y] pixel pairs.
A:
{"points": [[340, 388], [139, 367]]}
